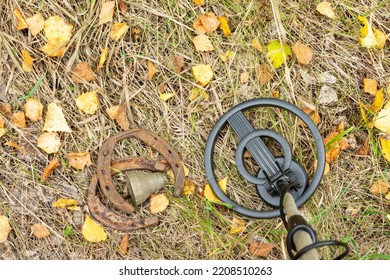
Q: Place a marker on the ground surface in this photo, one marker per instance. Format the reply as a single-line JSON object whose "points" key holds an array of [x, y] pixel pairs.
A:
{"points": [[342, 208]]}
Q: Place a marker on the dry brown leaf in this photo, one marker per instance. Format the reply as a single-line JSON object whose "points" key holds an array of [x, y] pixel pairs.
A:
{"points": [[118, 114], [314, 115], [244, 77], [237, 226], [151, 70], [370, 86], [93, 231], [177, 63], [79, 160], [118, 30], [224, 26], [5, 109], [33, 109], [206, 23], [27, 63], [123, 6], [189, 187], [202, 43], [40, 231], [88, 102], [22, 24], [102, 59], [53, 164], [58, 33], [303, 53], [65, 203], [158, 203], [124, 246], [49, 142], [198, 2], [256, 45], [364, 150], [106, 12], [16, 146], [260, 249], [19, 119], [55, 119], [325, 8], [264, 73], [35, 24], [203, 74], [82, 72], [135, 33], [379, 188], [5, 228]]}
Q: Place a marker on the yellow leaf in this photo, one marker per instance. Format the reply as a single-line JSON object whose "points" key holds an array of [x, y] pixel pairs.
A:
{"points": [[35, 24], [369, 38], [53, 164], [82, 72], [198, 2], [65, 203], [22, 24], [88, 102], [40, 231], [380, 38], [278, 53], [118, 30], [19, 119], [227, 55], [55, 119], [107, 12], [362, 112], [206, 23], [189, 187], [385, 147], [382, 120], [388, 198], [103, 58], [264, 73], [49, 142], [224, 26], [166, 96], [27, 61], [151, 70], [58, 33], [237, 226], [379, 187], [209, 193], [92, 231], [325, 8], [326, 169], [303, 53], [33, 109], [198, 93], [203, 74], [244, 77], [5, 228], [202, 43], [370, 86], [118, 114], [79, 160], [158, 203], [378, 100], [172, 175], [256, 45]]}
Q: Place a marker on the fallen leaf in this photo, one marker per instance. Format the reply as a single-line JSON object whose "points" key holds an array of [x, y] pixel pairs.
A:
{"points": [[244, 77], [224, 26], [189, 187], [88, 102], [388, 198], [5, 109], [35, 24], [166, 96], [237, 226], [328, 95], [198, 2], [264, 73], [49, 142], [333, 151], [5, 228], [106, 12], [19, 119], [118, 114], [53, 164], [135, 33], [82, 72], [27, 63], [2, 122], [171, 175], [79, 160], [65, 203], [379, 187], [206, 23], [40, 231], [260, 249], [385, 147], [33, 109], [382, 120], [203, 74], [198, 93], [209, 193], [378, 100], [92, 231], [276, 94], [364, 150], [123, 6], [326, 169], [55, 119], [256, 45], [158, 203], [118, 30], [22, 24], [340, 128], [151, 70], [16, 146], [227, 55], [124, 246], [177, 62], [202, 43], [58, 33], [369, 38], [325, 8], [102, 59], [313, 114], [370, 86], [380, 38], [362, 111], [278, 53], [303, 53]]}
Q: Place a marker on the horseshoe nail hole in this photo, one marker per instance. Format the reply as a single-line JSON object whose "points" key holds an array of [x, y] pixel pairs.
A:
{"points": [[177, 165], [155, 138], [169, 151], [107, 188]]}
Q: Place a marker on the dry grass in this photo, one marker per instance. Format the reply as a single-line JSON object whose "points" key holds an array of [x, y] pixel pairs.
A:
{"points": [[187, 230]]}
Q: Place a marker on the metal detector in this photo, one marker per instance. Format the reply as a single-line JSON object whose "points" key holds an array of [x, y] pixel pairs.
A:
{"points": [[281, 182]]}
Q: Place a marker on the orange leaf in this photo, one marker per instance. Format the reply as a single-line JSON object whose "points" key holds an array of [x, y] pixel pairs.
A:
{"points": [[5, 109], [79, 160], [202, 43], [364, 149], [256, 45], [260, 249], [5, 228], [106, 12], [326, 169], [198, 2], [33, 109], [53, 164], [379, 187], [124, 246], [206, 23], [158, 203], [82, 72], [370, 86], [40, 231], [118, 114], [49, 142], [333, 151], [151, 70], [303, 53], [314, 115], [264, 73], [22, 24], [35, 24], [19, 119], [27, 61], [16, 146], [224, 26]]}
